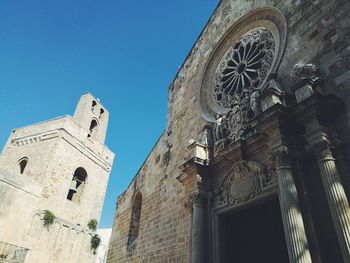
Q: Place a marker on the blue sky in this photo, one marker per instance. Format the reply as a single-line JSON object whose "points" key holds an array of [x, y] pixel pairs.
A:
{"points": [[124, 52]]}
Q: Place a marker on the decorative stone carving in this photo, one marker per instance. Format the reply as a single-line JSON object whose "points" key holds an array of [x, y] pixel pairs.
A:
{"points": [[322, 150], [244, 67], [220, 127], [281, 157], [207, 136], [244, 181], [305, 71], [308, 76], [239, 66], [196, 198]]}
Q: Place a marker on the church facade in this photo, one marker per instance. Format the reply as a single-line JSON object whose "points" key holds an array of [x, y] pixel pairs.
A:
{"points": [[53, 178], [254, 163]]}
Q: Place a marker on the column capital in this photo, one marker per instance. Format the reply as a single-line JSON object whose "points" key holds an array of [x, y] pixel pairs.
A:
{"points": [[281, 157], [322, 150], [198, 198]]}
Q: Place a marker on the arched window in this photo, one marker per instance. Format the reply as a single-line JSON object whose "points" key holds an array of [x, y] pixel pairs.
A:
{"points": [[134, 222], [93, 128], [93, 104], [77, 185], [22, 164], [101, 113]]}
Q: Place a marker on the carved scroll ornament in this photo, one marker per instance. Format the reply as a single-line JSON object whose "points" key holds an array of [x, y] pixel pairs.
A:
{"points": [[244, 181]]}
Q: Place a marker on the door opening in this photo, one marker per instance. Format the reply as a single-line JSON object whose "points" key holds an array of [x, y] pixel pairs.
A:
{"points": [[254, 235]]}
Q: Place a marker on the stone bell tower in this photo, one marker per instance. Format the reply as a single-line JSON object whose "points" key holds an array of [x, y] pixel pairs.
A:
{"points": [[60, 165], [92, 117]]}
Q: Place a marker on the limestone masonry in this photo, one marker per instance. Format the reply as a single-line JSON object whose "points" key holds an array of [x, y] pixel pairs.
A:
{"points": [[253, 165], [60, 165]]}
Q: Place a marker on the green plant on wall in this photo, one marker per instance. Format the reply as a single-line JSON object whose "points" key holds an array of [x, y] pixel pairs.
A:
{"points": [[93, 224], [95, 242], [48, 218], [2, 256]]}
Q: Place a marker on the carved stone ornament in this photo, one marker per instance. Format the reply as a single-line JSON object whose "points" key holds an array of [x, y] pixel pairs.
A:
{"points": [[244, 67], [196, 198], [238, 66], [238, 81], [236, 124], [305, 71], [322, 150], [281, 157], [244, 181]]}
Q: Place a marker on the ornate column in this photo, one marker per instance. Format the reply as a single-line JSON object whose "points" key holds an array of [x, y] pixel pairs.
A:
{"points": [[336, 197], [293, 224], [319, 114]]}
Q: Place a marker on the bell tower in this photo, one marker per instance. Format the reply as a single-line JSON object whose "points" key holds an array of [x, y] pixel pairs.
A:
{"points": [[61, 167], [92, 117]]}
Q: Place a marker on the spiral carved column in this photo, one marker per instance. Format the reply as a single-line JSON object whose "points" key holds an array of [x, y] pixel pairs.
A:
{"points": [[293, 224], [335, 193]]}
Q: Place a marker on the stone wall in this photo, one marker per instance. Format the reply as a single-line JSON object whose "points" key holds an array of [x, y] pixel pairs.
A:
{"points": [[54, 150], [317, 32]]}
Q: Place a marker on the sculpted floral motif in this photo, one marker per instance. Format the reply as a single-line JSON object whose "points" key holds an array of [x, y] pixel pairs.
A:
{"points": [[244, 181]]}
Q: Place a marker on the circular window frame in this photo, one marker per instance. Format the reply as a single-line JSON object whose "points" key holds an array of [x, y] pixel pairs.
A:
{"points": [[268, 17]]}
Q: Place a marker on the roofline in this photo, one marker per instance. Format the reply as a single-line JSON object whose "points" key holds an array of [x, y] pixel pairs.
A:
{"points": [[195, 42]]}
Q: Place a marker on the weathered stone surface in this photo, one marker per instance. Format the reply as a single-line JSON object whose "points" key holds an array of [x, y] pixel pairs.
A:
{"points": [[316, 32], [54, 149]]}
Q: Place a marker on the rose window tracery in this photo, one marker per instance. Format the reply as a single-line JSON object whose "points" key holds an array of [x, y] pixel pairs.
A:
{"points": [[244, 67]]}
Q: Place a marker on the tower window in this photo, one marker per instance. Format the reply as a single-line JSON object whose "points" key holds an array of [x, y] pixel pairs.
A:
{"points": [[93, 128], [134, 222], [101, 113], [22, 164], [77, 185], [93, 105]]}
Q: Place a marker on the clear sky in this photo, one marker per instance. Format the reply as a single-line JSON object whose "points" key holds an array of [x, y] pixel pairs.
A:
{"points": [[124, 52]]}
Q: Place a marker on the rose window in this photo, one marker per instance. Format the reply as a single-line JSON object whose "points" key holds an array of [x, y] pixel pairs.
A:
{"points": [[244, 66]]}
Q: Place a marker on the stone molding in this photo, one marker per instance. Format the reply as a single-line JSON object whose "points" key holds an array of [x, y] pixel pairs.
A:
{"points": [[33, 139]]}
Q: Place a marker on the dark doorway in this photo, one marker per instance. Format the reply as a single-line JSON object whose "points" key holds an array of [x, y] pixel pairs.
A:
{"points": [[253, 235]]}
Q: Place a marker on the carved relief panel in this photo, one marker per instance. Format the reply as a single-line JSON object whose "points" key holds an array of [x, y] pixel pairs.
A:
{"points": [[244, 181]]}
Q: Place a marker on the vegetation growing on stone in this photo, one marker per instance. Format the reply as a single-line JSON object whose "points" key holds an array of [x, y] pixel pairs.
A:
{"points": [[2, 256], [93, 224], [49, 217], [95, 242]]}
